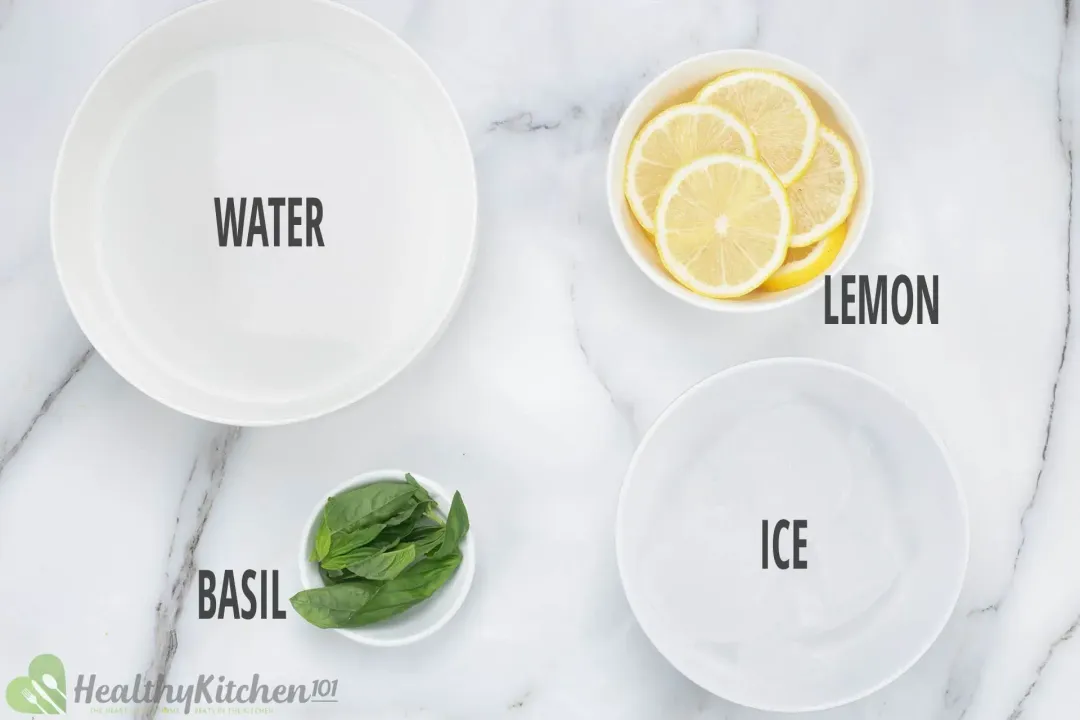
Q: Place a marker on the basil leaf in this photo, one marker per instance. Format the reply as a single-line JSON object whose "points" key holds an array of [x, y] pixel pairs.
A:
{"points": [[344, 560], [334, 577], [382, 544], [404, 515], [427, 539], [344, 542], [457, 524], [422, 495], [393, 535], [368, 505], [322, 541], [416, 584], [336, 605], [385, 565]]}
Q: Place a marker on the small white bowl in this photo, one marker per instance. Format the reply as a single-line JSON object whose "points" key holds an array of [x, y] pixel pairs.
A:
{"points": [[885, 533], [680, 84], [417, 622]]}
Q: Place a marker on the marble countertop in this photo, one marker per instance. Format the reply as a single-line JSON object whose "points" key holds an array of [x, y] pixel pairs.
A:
{"points": [[559, 358]]}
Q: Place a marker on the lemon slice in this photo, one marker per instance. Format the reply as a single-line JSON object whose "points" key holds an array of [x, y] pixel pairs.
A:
{"points": [[806, 263], [822, 198], [777, 112], [672, 139], [723, 225]]}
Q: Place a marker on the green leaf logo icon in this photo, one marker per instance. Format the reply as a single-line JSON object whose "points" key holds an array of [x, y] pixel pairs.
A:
{"points": [[42, 691]]}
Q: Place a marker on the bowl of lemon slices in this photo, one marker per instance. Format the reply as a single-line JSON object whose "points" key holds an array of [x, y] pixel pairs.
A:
{"points": [[738, 179]]}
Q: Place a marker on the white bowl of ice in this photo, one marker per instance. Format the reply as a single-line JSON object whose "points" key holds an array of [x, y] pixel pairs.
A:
{"points": [[883, 535]]}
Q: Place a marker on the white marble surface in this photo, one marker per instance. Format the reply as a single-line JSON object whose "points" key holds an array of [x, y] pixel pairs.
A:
{"points": [[560, 357]]}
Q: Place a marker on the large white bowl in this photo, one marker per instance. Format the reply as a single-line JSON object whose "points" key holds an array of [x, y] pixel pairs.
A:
{"points": [[680, 84], [267, 98], [887, 541], [417, 622]]}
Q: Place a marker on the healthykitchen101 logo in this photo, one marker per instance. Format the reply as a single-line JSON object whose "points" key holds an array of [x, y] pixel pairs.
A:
{"points": [[43, 691]]}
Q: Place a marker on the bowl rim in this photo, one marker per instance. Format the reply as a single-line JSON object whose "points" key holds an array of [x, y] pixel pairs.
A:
{"points": [[937, 628], [615, 167], [468, 555], [90, 320]]}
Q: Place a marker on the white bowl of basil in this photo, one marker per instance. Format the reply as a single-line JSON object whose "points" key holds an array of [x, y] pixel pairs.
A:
{"points": [[386, 559]]}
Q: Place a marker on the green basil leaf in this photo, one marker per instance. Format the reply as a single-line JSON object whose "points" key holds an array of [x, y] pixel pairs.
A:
{"points": [[345, 542], [345, 559], [427, 539], [422, 495], [368, 505], [322, 541], [333, 577], [416, 584], [385, 542], [393, 534], [457, 524], [404, 514], [335, 606], [385, 565]]}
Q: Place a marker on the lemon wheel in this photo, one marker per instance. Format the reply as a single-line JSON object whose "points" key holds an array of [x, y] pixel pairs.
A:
{"points": [[823, 197], [672, 139], [778, 113], [723, 225]]}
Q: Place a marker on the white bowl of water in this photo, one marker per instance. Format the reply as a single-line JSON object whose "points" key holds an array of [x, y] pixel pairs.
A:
{"points": [[263, 212]]}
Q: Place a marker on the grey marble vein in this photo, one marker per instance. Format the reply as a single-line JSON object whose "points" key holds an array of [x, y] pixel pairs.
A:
{"points": [[1018, 711], [46, 405], [523, 122], [520, 702], [755, 36], [196, 501], [1065, 142], [624, 409], [1067, 155]]}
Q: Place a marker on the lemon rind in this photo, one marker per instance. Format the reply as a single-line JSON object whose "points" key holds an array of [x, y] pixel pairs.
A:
{"points": [[795, 274]]}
